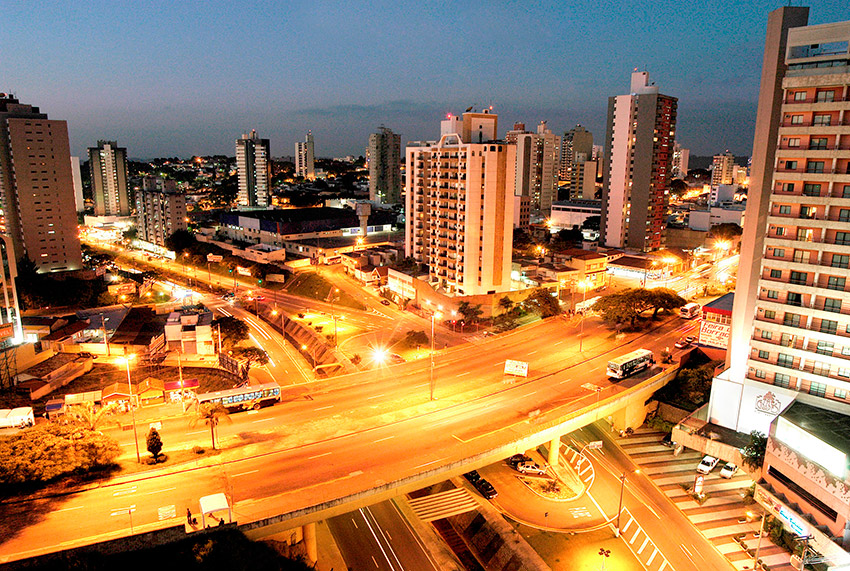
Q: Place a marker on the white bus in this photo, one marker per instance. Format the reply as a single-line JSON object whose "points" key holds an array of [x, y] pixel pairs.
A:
{"points": [[689, 310], [630, 363], [243, 398]]}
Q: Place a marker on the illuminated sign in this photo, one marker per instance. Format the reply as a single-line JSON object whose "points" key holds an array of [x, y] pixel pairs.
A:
{"points": [[793, 522], [243, 271], [768, 403], [214, 258], [714, 334], [518, 368], [7, 331]]}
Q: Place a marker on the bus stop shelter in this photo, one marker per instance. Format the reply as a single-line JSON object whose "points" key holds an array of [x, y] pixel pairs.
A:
{"points": [[215, 503]]}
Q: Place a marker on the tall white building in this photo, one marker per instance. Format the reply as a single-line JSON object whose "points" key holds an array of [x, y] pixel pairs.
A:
{"points": [[305, 157], [108, 167], [538, 157], [77, 179], [681, 157], [459, 206], [384, 155], [160, 210], [254, 169]]}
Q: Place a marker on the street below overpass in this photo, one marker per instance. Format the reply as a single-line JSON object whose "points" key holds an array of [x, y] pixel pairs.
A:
{"points": [[339, 438]]}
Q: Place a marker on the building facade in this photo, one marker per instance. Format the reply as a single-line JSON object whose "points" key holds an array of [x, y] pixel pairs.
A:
{"points": [[723, 169], [160, 210], [637, 166], [537, 165], [681, 157], [108, 168], [459, 202], [254, 170], [385, 167], [305, 157], [577, 146], [37, 188]]}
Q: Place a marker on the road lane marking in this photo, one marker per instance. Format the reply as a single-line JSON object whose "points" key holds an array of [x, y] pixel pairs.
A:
{"points": [[464, 374], [245, 473], [197, 432], [69, 509], [385, 438], [427, 463], [375, 396], [686, 550], [324, 407], [130, 490], [319, 455], [122, 511], [531, 352], [354, 521], [158, 491]]}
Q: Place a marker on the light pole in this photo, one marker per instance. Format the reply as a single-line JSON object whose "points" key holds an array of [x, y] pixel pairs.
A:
{"points": [[620, 507], [761, 533], [605, 553], [333, 313], [103, 321], [585, 284], [434, 316], [127, 360]]}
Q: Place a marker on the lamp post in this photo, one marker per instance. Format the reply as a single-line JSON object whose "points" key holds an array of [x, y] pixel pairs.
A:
{"points": [[605, 553], [127, 360], [434, 316], [620, 507], [585, 284], [761, 533], [103, 321], [333, 313]]}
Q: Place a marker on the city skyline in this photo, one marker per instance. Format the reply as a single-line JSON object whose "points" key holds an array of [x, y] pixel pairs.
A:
{"points": [[179, 82]]}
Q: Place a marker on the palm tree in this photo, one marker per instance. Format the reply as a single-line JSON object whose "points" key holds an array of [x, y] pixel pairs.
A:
{"points": [[210, 414], [90, 417], [506, 304]]}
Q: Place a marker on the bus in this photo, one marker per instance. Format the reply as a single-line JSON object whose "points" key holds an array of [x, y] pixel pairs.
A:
{"points": [[689, 310], [243, 398], [630, 363]]}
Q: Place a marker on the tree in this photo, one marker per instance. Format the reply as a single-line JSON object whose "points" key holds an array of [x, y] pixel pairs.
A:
{"points": [[87, 415], [592, 223], [251, 355], [568, 237], [413, 339], [544, 303], [154, 443], [753, 452], [180, 240], [664, 298], [211, 415], [506, 304], [678, 188], [624, 306], [233, 330], [521, 239], [726, 231], [470, 312]]}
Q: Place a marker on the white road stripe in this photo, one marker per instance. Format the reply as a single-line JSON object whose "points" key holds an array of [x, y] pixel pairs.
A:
{"points": [[245, 473], [385, 438], [319, 455], [324, 407]]}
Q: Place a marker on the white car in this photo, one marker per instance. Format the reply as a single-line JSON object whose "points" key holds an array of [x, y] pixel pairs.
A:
{"points": [[728, 470], [530, 468], [707, 465]]}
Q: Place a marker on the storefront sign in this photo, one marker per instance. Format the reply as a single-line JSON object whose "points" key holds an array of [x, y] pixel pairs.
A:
{"points": [[714, 334], [518, 368]]}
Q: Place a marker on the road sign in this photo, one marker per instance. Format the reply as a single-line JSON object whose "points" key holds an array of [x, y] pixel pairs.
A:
{"points": [[243, 271], [518, 368], [7, 330], [594, 445], [214, 258]]}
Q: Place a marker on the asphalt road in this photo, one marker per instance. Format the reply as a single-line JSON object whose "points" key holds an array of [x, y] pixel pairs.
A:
{"points": [[354, 432]]}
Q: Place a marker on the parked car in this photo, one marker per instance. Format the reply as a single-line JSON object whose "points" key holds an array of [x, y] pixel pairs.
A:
{"points": [[396, 358], [472, 477], [518, 459], [681, 343], [385, 302], [668, 440], [530, 468], [728, 470], [707, 465], [485, 488]]}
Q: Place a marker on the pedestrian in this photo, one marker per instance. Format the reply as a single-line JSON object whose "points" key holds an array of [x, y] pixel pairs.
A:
{"points": [[189, 516], [546, 514]]}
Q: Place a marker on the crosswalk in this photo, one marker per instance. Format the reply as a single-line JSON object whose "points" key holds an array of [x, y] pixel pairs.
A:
{"points": [[641, 545], [443, 504]]}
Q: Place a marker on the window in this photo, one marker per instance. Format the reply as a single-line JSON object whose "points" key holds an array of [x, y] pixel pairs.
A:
{"points": [[775, 274], [836, 283], [818, 143], [824, 348], [779, 252], [821, 369], [801, 256], [805, 234], [784, 360], [784, 209], [772, 294], [796, 119], [787, 187], [760, 374], [766, 334], [822, 120], [839, 393], [794, 299], [832, 305], [844, 215], [769, 314], [794, 142], [828, 326], [814, 166], [807, 212], [791, 319], [781, 380], [840, 261], [843, 372], [818, 389], [787, 340], [842, 238], [825, 96], [791, 165], [811, 189], [780, 231], [845, 193], [799, 278], [799, 96], [764, 355]]}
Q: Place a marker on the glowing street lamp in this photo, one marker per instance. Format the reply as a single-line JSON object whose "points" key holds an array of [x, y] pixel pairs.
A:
{"points": [[126, 361], [380, 355], [434, 316], [761, 533], [586, 284], [622, 487]]}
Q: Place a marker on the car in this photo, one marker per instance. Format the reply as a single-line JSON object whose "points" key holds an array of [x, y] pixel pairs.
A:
{"points": [[668, 440], [690, 338], [397, 359], [728, 470], [385, 302], [530, 468], [681, 343], [472, 477], [517, 459], [485, 488], [707, 465]]}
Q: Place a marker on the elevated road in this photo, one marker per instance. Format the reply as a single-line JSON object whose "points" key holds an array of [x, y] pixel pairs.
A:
{"points": [[352, 441]]}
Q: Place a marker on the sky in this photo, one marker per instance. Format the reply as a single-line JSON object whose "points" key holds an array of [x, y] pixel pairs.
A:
{"points": [[188, 78]]}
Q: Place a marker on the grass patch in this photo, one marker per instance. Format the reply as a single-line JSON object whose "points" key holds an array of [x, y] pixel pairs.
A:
{"points": [[314, 286], [130, 466], [550, 488]]}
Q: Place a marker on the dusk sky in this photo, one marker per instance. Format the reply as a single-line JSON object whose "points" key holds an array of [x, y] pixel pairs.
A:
{"points": [[188, 78]]}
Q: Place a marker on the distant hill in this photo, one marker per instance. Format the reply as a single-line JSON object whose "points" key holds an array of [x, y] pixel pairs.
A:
{"points": [[699, 162]]}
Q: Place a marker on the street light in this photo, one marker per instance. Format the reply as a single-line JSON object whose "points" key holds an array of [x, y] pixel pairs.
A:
{"points": [[127, 360], [761, 533], [620, 508], [605, 553], [434, 316], [586, 283], [333, 313]]}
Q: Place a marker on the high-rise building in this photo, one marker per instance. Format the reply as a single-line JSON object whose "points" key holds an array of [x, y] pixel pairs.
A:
{"points": [[254, 169], [160, 210], [636, 171], [385, 167], [519, 129], [537, 159], [459, 204], [77, 178], [577, 147], [788, 363], [37, 187], [681, 157], [108, 168], [723, 169], [305, 157]]}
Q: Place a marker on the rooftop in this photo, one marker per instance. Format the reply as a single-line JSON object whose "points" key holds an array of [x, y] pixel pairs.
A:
{"points": [[722, 303], [829, 426]]}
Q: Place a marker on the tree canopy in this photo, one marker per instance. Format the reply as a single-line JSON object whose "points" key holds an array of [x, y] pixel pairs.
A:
{"points": [[542, 302], [210, 414], [253, 355], [628, 305], [753, 452], [180, 240], [470, 312], [232, 330], [726, 231]]}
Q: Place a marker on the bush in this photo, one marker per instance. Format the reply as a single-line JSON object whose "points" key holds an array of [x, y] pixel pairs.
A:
{"points": [[198, 449]]}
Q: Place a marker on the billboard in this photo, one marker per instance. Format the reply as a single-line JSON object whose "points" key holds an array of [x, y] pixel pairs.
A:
{"points": [[518, 368], [7, 331], [243, 271], [714, 334], [214, 258]]}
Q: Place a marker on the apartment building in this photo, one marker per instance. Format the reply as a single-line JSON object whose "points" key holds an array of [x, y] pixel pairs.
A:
{"points": [[160, 210], [108, 168], [460, 206], [537, 160], [722, 169], [305, 157], [384, 154], [254, 170]]}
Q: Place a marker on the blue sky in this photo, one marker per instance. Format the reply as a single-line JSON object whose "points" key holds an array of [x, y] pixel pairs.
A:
{"points": [[168, 79]]}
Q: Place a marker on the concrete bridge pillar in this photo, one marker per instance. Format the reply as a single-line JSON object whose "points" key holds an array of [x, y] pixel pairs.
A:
{"points": [[308, 532], [631, 416], [555, 451]]}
